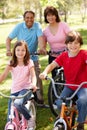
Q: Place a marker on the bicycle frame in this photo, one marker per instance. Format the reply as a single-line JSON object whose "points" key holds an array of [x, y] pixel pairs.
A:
{"points": [[67, 119], [15, 121], [67, 112]]}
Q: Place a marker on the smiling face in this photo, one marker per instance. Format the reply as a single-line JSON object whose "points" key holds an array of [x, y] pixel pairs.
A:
{"points": [[73, 42], [29, 19], [73, 47], [20, 52], [51, 18]]}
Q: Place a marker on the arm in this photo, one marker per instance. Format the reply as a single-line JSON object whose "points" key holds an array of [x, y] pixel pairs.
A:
{"points": [[8, 46], [5, 73], [48, 69], [33, 78], [41, 45]]}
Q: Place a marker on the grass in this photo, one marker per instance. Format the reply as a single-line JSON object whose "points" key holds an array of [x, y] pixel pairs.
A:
{"points": [[45, 118]]}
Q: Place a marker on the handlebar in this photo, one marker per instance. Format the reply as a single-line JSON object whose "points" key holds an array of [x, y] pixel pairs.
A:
{"points": [[67, 98], [16, 97], [48, 53]]}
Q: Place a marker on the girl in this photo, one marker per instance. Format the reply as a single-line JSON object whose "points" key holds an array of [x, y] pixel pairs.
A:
{"points": [[74, 62], [23, 78]]}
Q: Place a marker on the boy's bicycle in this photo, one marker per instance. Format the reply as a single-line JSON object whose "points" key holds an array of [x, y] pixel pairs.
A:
{"points": [[59, 78], [68, 113], [17, 120]]}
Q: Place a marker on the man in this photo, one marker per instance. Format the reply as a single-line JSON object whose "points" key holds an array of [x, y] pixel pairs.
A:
{"points": [[31, 32]]}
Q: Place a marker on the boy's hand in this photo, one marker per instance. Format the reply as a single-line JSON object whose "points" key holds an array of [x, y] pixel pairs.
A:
{"points": [[43, 75]]}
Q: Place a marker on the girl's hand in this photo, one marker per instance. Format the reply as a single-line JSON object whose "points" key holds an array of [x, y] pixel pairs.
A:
{"points": [[34, 88], [42, 75], [9, 53]]}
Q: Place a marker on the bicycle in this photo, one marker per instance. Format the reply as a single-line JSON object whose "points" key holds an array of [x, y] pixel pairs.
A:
{"points": [[17, 120], [59, 87], [68, 113], [59, 78]]}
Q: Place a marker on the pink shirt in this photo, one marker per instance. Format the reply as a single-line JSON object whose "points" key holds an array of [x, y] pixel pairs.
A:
{"points": [[75, 68], [57, 41], [21, 77]]}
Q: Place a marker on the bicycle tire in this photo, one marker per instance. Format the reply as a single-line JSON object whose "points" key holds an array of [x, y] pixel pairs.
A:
{"points": [[74, 118], [59, 126], [51, 96], [31, 107], [11, 126]]}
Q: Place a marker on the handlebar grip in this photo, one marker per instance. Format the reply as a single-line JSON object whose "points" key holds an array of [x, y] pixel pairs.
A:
{"points": [[46, 78]]}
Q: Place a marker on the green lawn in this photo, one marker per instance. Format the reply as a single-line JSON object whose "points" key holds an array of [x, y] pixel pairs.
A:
{"points": [[45, 118]]}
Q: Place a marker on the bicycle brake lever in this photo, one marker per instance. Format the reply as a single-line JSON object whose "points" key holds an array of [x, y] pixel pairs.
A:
{"points": [[46, 78]]}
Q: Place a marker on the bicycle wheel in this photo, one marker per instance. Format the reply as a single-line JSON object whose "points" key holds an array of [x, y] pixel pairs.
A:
{"points": [[31, 107], [59, 126], [51, 95], [11, 126]]}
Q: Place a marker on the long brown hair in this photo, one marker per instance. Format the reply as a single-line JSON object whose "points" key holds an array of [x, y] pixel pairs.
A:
{"points": [[14, 61]]}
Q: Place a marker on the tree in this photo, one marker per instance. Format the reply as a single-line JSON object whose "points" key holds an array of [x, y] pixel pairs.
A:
{"points": [[3, 7]]}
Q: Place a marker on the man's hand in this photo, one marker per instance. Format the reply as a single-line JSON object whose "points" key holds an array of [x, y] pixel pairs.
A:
{"points": [[42, 51]]}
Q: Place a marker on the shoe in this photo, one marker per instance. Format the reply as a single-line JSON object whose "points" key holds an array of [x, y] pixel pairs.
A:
{"points": [[43, 105], [80, 126], [31, 123], [40, 103]]}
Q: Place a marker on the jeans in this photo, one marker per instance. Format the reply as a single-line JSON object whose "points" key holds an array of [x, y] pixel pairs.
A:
{"points": [[39, 81], [20, 104], [81, 102]]}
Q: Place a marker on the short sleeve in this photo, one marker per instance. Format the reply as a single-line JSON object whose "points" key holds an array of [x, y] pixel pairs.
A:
{"points": [[14, 32], [66, 28], [39, 29], [31, 64], [44, 36], [61, 58]]}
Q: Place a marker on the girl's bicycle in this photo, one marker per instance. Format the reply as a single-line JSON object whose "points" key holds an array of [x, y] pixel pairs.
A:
{"points": [[17, 120], [68, 113]]}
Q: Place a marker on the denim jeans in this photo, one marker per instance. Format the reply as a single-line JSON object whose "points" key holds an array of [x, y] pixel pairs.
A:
{"points": [[81, 102], [39, 81], [20, 104]]}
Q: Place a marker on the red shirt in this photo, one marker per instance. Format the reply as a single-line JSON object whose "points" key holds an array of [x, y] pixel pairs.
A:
{"points": [[75, 68]]}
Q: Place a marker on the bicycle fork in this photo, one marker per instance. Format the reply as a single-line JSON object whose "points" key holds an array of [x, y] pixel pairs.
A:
{"points": [[61, 122]]}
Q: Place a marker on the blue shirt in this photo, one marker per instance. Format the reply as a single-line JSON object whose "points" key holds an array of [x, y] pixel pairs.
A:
{"points": [[30, 35]]}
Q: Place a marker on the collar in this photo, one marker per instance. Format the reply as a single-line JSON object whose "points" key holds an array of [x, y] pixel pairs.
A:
{"points": [[24, 25]]}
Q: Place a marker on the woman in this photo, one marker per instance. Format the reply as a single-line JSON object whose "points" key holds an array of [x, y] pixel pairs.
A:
{"points": [[55, 33]]}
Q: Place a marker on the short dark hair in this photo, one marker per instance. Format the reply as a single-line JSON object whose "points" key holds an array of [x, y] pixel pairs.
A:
{"points": [[28, 11], [72, 36], [51, 10]]}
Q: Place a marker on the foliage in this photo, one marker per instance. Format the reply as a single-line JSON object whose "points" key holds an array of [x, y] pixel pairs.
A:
{"points": [[45, 118], [14, 8]]}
